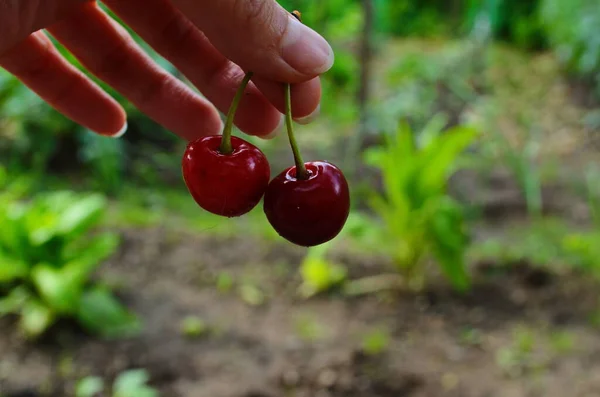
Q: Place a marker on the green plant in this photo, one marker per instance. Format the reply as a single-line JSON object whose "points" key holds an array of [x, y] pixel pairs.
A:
{"points": [[425, 83], [522, 162], [582, 247], [416, 215], [318, 273], [538, 243], [225, 282], [251, 294], [562, 342], [105, 160], [519, 357], [309, 328], [193, 327], [47, 257], [376, 341], [572, 28], [131, 383], [424, 18], [515, 21]]}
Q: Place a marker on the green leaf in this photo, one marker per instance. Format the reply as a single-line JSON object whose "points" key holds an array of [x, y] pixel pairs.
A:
{"points": [[133, 383], [376, 341], [14, 302], [251, 294], [42, 219], [90, 386], [432, 131], [193, 327], [101, 313], [13, 235], [12, 269], [86, 256], [41, 226], [440, 158], [36, 318], [450, 241], [320, 275], [81, 215], [60, 288], [3, 177]]}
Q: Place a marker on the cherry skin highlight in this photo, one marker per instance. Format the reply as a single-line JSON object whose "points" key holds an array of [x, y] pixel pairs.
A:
{"points": [[308, 212], [229, 185]]}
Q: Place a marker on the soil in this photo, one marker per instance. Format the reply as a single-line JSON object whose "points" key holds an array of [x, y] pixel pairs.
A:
{"points": [[440, 343]]}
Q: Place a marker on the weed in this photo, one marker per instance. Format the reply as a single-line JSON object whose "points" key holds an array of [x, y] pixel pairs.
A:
{"points": [[47, 258]]}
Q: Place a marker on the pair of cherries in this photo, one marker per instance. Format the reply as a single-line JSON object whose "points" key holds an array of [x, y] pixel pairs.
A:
{"points": [[307, 204]]}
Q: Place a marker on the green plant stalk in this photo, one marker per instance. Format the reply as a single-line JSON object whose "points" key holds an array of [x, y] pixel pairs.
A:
{"points": [[226, 147], [301, 172], [374, 284]]}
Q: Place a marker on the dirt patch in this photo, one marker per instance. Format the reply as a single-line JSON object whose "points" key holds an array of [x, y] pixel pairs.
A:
{"points": [[440, 343]]}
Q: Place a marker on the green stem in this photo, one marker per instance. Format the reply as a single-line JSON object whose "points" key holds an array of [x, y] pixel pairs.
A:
{"points": [[226, 147], [301, 172]]}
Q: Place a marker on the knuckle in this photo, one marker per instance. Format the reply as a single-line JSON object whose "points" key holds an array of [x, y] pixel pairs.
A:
{"points": [[37, 65], [178, 30], [252, 13]]}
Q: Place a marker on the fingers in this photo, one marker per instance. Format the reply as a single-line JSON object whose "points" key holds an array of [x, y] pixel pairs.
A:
{"points": [[109, 52], [19, 18], [261, 36], [306, 97], [37, 63], [173, 36]]}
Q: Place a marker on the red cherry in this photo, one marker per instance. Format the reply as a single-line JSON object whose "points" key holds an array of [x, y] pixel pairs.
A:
{"points": [[311, 211], [225, 184]]}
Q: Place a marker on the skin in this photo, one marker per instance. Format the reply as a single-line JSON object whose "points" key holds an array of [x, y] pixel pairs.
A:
{"points": [[308, 212], [228, 185], [210, 42]]}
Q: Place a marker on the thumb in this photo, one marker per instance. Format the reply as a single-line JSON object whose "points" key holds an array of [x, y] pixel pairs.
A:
{"points": [[259, 35]]}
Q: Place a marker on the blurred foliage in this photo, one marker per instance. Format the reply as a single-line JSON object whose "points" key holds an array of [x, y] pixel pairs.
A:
{"points": [[47, 258], [551, 242], [538, 243], [573, 28], [130, 383], [193, 327], [416, 216], [582, 247], [376, 341], [428, 82], [319, 273]]}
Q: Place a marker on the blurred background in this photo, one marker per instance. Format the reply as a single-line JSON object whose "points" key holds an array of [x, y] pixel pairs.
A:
{"points": [[469, 266]]}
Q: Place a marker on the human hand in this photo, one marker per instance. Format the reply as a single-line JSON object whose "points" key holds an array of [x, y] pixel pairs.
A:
{"points": [[205, 40]]}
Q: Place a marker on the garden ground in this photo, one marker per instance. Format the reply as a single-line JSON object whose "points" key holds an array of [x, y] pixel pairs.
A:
{"points": [[521, 332]]}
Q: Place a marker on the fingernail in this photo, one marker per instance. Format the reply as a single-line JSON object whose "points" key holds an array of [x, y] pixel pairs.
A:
{"points": [[121, 132], [310, 118], [277, 129], [305, 50]]}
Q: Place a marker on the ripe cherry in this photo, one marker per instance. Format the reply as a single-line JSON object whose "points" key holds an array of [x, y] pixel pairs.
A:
{"points": [[224, 174], [309, 211], [307, 204], [225, 184]]}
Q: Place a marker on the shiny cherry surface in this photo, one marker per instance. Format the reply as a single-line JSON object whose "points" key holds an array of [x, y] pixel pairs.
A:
{"points": [[225, 184], [312, 211]]}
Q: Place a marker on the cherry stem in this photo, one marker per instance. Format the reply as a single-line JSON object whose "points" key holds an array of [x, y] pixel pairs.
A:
{"points": [[301, 172], [226, 147]]}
